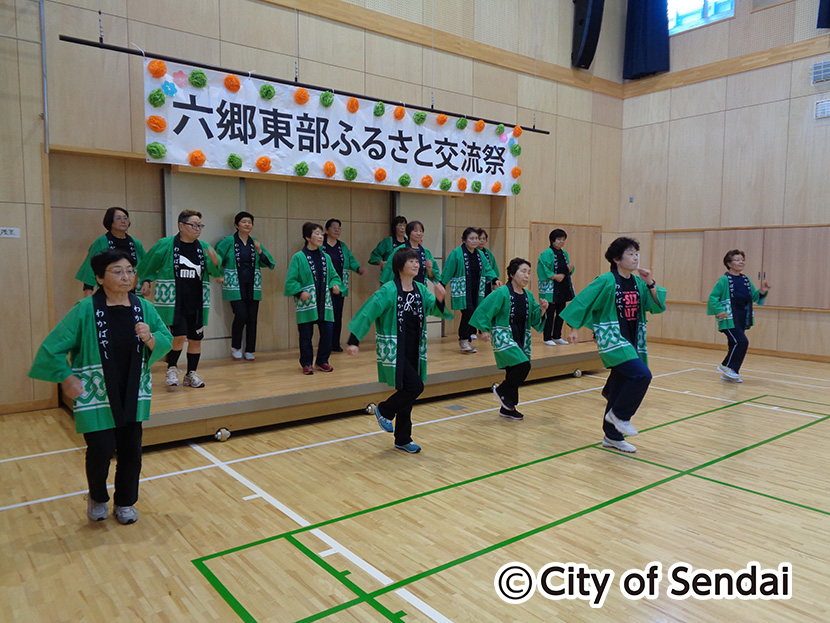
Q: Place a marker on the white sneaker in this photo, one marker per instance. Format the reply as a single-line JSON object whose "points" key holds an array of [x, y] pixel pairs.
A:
{"points": [[623, 426], [249, 356], [473, 337], [191, 379], [726, 371], [623, 445], [737, 379], [236, 353], [465, 347], [550, 342], [172, 377], [561, 342]]}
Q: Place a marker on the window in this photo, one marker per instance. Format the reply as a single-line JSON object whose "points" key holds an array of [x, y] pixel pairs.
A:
{"points": [[687, 14]]}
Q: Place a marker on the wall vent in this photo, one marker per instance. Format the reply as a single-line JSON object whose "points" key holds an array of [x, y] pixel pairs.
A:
{"points": [[823, 109], [821, 72]]}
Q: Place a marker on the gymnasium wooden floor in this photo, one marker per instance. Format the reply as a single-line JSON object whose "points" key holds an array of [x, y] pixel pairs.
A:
{"points": [[324, 520]]}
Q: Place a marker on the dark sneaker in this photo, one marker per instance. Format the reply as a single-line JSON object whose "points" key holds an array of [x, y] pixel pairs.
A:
{"points": [[506, 403], [385, 423], [308, 369], [511, 414], [412, 448], [324, 367]]}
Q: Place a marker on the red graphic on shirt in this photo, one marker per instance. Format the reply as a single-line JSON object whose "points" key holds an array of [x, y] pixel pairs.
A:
{"points": [[630, 302]]}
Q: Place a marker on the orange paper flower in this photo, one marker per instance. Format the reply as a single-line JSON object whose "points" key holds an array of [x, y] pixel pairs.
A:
{"points": [[426, 181], [263, 163], [301, 96], [516, 172], [400, 112], [517, 131], [197, 158], [480, 125], [232, 83], [462, 184], [329, 169], [156, 123], [352, 105], [496, 187], [441, 119], [380, 175], [157, 68]]}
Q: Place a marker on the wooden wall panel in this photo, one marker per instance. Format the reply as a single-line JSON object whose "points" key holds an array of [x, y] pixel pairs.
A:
{"points": [[760, 30], [194, 16], [646, 109], [680, 263], [538, 180], [755, 165], [761, 86], [700, 46], [573, 170], [537, 94], [606, 171], [328, 42], [698, 99], [644, 170], [715, 246], [447, 72], [11, 164], [494, 83], [574, 103], [607, 110], [808, 151], [695, 172], [236, 19], [795, 263], [392, 58], [800, 332], [688, 323]]}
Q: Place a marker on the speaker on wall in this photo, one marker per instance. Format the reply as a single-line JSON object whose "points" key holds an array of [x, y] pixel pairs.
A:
{"points": [[587, 24]]}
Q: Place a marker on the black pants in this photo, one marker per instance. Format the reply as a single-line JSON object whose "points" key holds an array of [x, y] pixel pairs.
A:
{"points": [[398, 406], [738, 344], [244, 317], [514, 376], [553, 321], [323, 346], [337, 301], [100, 448], [465, 329], [624, 390]]}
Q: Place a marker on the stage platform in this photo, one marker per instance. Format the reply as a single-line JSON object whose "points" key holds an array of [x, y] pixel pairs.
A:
{"points": [[272, 389]]}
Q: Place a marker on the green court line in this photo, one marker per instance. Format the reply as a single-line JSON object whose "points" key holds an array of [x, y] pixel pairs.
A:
{"points": [[763, 495], [490, 548], [797, 409], [215, 582], [224, 593], [812, 402]]}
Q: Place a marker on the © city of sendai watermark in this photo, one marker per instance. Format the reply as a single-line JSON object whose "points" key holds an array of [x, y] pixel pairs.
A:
{"points": [[516, 582]]}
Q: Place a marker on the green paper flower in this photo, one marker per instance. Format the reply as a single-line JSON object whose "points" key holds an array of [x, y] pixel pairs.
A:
{"points": [[500, 129], [516, 188], [350, 173], [476, 186], [326, 99], [461, 123], [516, 150], [446, 184], [301, 168], [235, 161], [156, 98], [197, 78], [266, 91], [380, 108], [419, 117], [156, 150], [405, 180]]}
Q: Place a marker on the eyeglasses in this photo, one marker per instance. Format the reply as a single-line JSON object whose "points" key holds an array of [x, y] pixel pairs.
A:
{"points": [[121, 218], [195, 225], [120, 272]]}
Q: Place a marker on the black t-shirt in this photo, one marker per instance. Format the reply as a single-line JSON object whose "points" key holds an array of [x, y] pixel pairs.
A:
{"points": [[473, 277], [563, 290], [741, 297], [245, 267], [628, 307], [319, 283], [188, 277], [422, 263], [519, 311], [335, 252], [412, 311], [123, 343]]}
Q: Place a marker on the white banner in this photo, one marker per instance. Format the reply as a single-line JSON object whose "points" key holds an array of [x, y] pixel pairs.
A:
{"points": [[215, 120]]}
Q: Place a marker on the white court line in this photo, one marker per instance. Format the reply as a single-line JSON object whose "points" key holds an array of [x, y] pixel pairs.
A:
{"points": [[333, 544], [704, 363], [32, 456]]}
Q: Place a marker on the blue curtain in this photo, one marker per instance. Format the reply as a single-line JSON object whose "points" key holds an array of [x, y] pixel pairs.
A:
{"points": [[647, 38], [823, 14]]}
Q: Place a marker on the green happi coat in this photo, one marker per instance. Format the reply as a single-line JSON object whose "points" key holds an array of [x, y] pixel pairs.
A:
{"points": [[492, 259], [77, 336], [455, 276], [388, 275], [546, 268], [720, 300], [226, 251], [158, 266], [595, 307], [301, 278], [99, 245], [350, 263], [493, 316], [382, 310], [383, 251]]}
